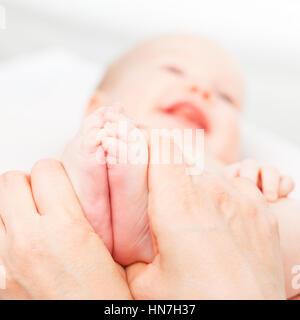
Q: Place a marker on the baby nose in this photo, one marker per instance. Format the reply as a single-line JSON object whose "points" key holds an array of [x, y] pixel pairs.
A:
{"points": [[205, 94]]}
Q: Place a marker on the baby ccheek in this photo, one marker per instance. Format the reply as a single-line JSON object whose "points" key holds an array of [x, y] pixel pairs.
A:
{"points": [[226, 135], [226, 119], [232, 126]]}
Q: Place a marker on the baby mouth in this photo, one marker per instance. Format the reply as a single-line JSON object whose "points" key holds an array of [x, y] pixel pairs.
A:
{"points": [[189, 113]]}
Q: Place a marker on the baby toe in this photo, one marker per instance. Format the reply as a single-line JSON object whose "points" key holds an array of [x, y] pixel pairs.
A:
{"points": [[287, 185], [270, 183]]}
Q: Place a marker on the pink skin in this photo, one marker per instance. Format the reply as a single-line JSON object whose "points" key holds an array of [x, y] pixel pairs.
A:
{"points": [[177, 72], [113, 195], [169, 82], [267, 178], [188, 82], [89, 177]]}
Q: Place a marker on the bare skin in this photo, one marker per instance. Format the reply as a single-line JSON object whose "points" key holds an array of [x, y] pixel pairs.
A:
{"points": [[113, 194], [196, 225], [50, 252], [287, 213], [276, 188], [148, 92], [188, 82], [47, 247]]}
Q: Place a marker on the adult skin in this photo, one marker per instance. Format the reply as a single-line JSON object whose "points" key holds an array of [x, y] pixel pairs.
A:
{"points": [[47, 247], [213, 240], [50, 252]]}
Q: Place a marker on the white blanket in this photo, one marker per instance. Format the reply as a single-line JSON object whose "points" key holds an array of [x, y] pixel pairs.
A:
{"points": [[42, 99]]}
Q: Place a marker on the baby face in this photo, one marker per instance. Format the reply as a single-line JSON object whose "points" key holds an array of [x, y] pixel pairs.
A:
{"points": [[180, 82]]}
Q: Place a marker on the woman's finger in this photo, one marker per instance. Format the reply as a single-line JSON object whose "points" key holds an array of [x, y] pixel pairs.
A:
{"points": [[16, 199], [166, 182], [53, 191]]}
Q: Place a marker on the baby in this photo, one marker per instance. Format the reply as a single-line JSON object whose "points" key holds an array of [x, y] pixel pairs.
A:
{"points": [[168, 82]]}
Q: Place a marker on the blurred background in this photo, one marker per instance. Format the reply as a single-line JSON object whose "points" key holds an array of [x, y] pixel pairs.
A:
{"points": [[263, 36]]}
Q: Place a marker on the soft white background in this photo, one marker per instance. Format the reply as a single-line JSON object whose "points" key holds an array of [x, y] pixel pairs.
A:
{"points": [[263, 35]]}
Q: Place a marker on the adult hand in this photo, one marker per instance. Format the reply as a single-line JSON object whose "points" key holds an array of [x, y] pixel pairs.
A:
{"points": [[213, 241], [47, 247]]}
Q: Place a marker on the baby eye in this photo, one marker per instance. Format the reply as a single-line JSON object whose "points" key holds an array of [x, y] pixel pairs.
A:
{"points": [[225, 97], [174, 70]]}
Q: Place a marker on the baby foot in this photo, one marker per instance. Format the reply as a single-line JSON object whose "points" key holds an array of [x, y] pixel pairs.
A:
{"points": [[116, 158], [126, 151], [89, 177]]}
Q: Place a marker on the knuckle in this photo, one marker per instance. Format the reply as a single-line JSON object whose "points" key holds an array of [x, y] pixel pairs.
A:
{"points": [[251, 210], [229, 208], [223, 198]]}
